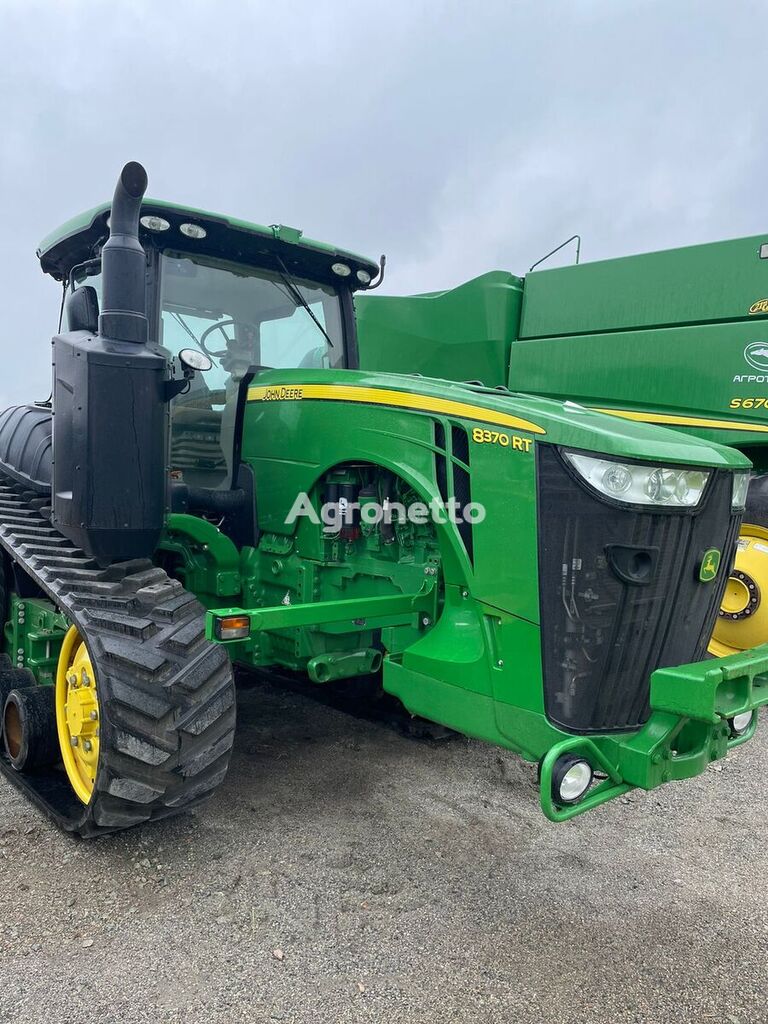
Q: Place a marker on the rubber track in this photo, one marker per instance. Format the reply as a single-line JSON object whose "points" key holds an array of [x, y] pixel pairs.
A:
{"points": [[166, 694]]}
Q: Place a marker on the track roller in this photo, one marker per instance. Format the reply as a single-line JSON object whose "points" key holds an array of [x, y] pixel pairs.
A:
{"points": [[12, 678], [29, 728]]}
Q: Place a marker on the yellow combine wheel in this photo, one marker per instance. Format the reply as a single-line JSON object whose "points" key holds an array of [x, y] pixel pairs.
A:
{"points": [[743, 619], [77, 714]]}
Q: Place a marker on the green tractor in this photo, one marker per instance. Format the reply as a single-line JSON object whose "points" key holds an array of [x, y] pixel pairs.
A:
{"points": [[224, 476], [677, 338]]}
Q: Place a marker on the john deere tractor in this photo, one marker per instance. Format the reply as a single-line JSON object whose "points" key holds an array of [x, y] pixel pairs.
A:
{"points": [[677, 338], [218, 479]]}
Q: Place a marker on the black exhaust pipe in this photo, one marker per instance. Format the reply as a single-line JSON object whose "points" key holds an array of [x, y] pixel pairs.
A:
{"points": [[123, 262], [109, 403]]}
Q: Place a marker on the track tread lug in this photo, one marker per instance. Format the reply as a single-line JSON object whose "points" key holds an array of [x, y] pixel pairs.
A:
{"points": [[150, 703], [140, 749], [186, 635], [207, 756], [131, 789], [202, 788], [202, 718], [146, 660], [192, 675], [126, 625]]}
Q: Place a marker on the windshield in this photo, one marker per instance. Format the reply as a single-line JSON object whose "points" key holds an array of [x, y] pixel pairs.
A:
{"points": [[241, 317]]}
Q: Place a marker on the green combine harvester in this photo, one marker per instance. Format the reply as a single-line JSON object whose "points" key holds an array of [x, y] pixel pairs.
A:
{"points": [[677, 338], [226, 474]]}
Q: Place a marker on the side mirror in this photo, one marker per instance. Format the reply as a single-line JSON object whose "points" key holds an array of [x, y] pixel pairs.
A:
{"points": [[194, 359], [83, 309]]}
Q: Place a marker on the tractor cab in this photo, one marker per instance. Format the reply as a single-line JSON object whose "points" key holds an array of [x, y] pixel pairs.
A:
{"points": [[223, 294]]}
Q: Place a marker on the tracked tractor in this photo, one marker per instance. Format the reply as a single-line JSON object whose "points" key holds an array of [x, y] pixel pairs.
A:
{"points": [[677, 338], [218, 479]]}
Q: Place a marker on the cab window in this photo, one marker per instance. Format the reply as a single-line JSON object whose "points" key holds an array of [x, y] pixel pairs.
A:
{"points": [[240, 317]]}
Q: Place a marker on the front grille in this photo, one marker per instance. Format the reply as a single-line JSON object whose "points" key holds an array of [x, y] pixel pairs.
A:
{"points": [[603, 634]]}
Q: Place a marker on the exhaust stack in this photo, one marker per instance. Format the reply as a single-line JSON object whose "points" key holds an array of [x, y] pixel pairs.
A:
{"points": [[109, 404], [123, 262]]}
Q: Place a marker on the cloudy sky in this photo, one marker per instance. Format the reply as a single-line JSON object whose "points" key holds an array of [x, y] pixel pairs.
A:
{"points": [[456, 137]]}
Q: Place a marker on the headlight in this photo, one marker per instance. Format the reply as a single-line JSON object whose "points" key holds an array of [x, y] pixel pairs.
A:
{"points": [[193, 230], [571, 778], [153, 223], [641, 484], [740, 488], [741, 723]]}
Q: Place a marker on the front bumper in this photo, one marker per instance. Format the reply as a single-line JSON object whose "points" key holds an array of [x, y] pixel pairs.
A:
{"points": [[687, 730]]}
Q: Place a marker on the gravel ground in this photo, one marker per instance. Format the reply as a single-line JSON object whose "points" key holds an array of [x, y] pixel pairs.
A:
{"points": [[348, 873]]}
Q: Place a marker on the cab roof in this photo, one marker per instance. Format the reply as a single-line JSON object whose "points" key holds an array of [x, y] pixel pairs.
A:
{"points": [[226, 238]]}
